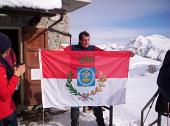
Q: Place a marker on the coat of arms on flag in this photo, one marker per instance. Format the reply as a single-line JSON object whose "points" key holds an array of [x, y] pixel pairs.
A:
{"points": [[91, 78], [86, 76]]}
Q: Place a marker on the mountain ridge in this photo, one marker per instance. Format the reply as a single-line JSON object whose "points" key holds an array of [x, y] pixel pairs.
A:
{"points": [[153, 46]]}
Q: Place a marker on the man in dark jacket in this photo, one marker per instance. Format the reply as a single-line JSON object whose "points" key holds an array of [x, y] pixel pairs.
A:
{"points": [[84, 45]]}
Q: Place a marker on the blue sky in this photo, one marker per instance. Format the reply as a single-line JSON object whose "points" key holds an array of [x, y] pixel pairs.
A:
{"points": [[110, 21]]}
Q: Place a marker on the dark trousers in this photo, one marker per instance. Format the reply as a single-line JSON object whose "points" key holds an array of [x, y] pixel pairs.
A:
{"points": [[97, 112], [11, 120]]}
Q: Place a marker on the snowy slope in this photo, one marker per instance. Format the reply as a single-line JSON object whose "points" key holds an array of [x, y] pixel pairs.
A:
{"points": [[140, 66]]}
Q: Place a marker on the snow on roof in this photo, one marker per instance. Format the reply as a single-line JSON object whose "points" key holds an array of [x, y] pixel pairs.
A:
{"points": [[35, 4]]}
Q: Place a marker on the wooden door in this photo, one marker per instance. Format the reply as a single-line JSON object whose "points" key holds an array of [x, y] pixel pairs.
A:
{"points": [[33, 39]]}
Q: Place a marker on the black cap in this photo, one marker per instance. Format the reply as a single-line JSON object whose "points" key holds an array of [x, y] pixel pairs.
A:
{"points": [[5, 43]]}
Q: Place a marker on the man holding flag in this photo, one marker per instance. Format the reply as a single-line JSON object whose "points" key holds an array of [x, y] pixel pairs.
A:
{"points": [[83, 75], [84, 45]]}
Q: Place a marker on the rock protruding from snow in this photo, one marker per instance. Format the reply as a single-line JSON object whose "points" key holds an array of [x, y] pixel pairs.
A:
{"points": [[154, 47], [141, 66]]}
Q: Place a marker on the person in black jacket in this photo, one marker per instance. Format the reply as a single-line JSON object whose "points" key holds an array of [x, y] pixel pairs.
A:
{"points": [[84, 45], [163, 79]]}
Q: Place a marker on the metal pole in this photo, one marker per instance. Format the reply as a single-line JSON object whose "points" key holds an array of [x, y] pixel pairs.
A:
{"points": [[111, 116], [159, 119]]}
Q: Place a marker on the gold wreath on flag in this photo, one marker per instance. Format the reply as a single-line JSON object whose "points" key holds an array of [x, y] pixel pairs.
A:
{"points": [[85, 96]]}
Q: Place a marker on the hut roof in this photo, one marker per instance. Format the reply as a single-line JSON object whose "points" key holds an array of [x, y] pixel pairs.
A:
{"points": [[34, 4]]}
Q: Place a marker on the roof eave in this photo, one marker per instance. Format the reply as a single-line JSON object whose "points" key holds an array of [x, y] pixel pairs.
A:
{"points": [[72, 5]]}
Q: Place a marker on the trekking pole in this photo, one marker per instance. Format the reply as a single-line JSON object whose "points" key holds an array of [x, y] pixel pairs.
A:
{"points": [[149, 110], [151, 101]]}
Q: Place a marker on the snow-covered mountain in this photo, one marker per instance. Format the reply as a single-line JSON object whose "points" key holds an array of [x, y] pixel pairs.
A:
{"points": [[154, 46]]}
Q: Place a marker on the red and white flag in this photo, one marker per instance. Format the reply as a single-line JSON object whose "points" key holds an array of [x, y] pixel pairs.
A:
{"points": [[83, 78]]}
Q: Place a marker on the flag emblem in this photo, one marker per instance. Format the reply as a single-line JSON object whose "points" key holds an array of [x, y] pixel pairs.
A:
{"points": [[86, 77]]}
